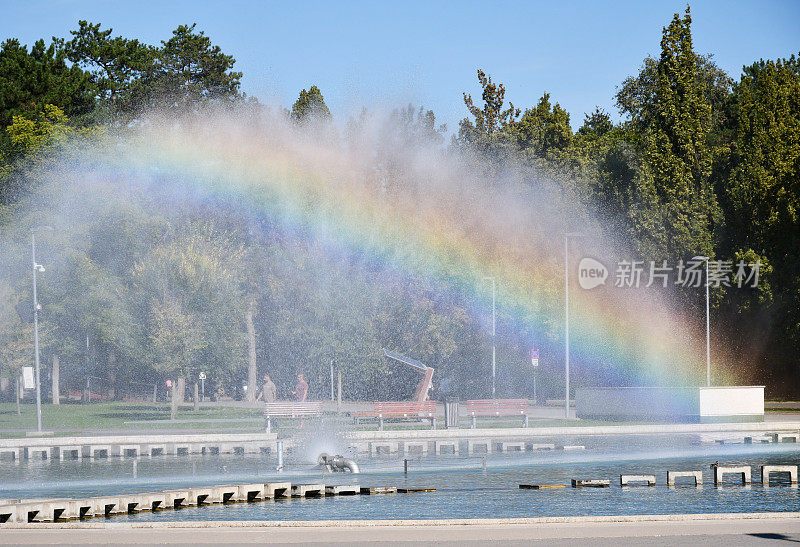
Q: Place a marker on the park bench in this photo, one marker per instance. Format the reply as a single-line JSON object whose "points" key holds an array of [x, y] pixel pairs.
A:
{"points": [[497, 407], [291, 410], [400, 410]]}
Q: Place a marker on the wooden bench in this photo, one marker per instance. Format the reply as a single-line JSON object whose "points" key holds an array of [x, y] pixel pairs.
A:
{"points": [[291, 410], [403, 410], [497, 407]]}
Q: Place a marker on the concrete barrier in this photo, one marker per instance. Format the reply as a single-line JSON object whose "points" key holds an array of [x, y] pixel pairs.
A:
{"points": [[625, 480], [438, 445], [542, 446], [175, 499], [766, 470], [591, 483], [380, 448], [342, 490], [250, 492], [742, 470], [511, 446], [473, 443], [308, 490], [226, 493], [275, 490], [696, 475], [365, 491], [415, 448]]}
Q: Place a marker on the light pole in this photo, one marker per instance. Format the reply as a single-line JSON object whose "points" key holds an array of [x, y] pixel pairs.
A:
{"points": [[37, 268], [708, 326], [494, 331], [566, 320]]}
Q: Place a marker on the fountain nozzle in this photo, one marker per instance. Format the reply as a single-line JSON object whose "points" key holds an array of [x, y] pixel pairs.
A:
{"points": [[337, 464]]}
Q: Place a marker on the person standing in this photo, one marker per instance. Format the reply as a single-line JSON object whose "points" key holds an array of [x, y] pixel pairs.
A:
{"points": [[268, 391], [301, 389]]}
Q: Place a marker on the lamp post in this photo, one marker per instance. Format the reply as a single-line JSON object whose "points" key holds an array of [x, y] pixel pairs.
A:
{"points": [[566, 320], [37, 268], [708, 326], [494, 331]]}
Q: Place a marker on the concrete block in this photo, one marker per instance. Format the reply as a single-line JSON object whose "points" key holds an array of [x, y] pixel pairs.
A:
{"points": [[274, 490], [92, 451], [415, 448], [649, 480], [37, 453], [175, 499], [573, 447], [130, 503], [201, 496], [342, 490], [308, 490], [127, 450], [224, 493], [104, 506], [766, 470], [378, 490], [68, 452], [591, 483], [451, 446], [479, 446], [742, 470], [8, 513], [14, 453], [511, 446], [250, 492], [541, 446], [696, 475], [379, 448], [786, 438], [154, 501], [151, 450]]}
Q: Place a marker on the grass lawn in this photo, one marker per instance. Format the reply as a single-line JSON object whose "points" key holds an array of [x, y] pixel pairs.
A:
{"points": [[85, 418]]}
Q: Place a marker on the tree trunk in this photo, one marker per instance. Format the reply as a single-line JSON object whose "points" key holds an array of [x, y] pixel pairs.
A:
{"points": [[173, 405], [251, 364], [112, 376], [181, 389], [196, 396], [16, 389], [54, 378]]}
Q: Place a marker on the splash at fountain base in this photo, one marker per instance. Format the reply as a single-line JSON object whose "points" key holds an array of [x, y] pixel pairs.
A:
{"points": [[679, 404]]}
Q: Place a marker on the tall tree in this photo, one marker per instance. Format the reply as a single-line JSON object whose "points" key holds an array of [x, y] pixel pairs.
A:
{"points": [[491, 118], [310, 107], [677, 150]]}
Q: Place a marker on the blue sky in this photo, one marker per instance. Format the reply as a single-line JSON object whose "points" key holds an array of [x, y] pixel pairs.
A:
{"points": [[386, 54]]}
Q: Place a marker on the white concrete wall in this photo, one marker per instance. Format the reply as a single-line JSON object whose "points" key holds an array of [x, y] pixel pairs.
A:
{"points": [[690, 403], [732, 401]]}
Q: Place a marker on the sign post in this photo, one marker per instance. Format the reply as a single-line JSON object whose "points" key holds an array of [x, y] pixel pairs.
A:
{"points": [[535, 365], [202, 378]]}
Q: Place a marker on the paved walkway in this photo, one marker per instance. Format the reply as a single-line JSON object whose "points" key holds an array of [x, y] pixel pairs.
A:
{"points": [[723, 530]]}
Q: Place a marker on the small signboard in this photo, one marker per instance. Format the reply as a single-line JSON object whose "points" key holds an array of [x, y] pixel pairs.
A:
{"points": [[28, 381], [202, 376], [535, 357]]}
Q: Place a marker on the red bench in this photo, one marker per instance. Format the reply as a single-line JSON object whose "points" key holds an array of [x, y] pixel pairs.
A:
{"points": [[497, 407], [404, 410]]}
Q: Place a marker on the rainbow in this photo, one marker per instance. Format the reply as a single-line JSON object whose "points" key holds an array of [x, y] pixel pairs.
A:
{"points": [[446, 226]]}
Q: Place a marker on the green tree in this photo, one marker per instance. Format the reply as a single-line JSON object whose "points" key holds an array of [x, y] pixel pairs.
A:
{"points": [[676, 147], [310, 107], [31, 80], [491, 118], [191, 70], [543, 130], [116, 64]]}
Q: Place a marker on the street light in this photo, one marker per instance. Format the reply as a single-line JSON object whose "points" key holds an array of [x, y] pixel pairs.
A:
{"points": [[566, 320], [494, 330], [708, 326], [40, 269]]}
